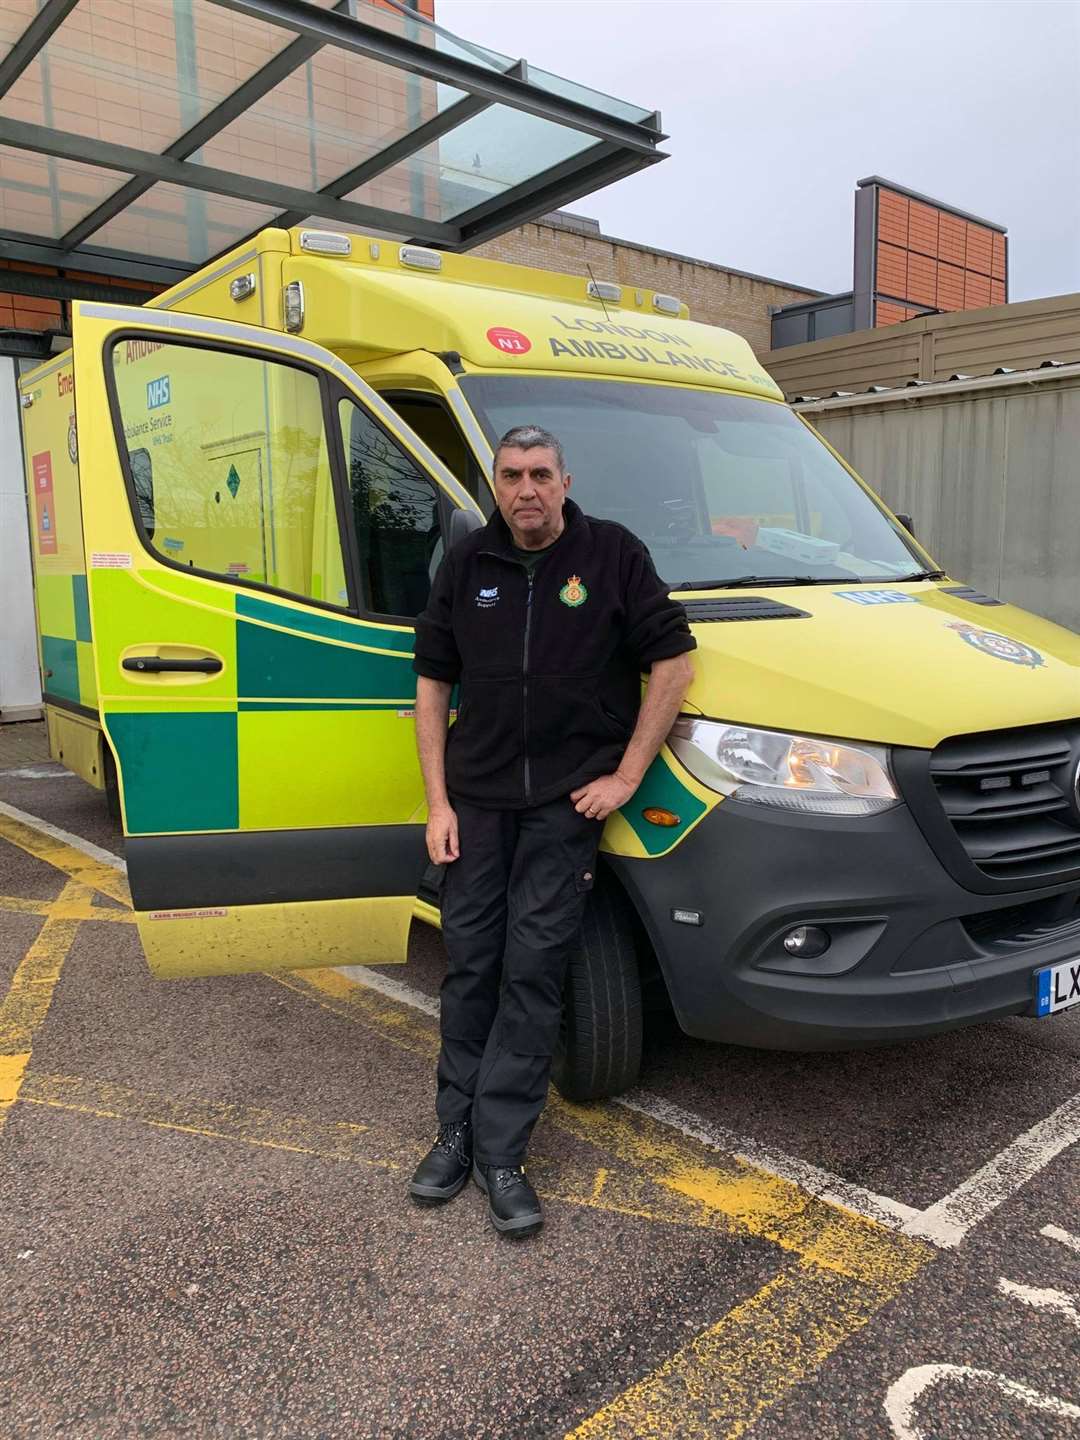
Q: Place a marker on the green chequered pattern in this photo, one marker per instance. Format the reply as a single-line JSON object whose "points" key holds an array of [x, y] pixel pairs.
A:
{"points": [[662, 789], [180, 749], [88, 694], [81, 603], [56, 605], [271, 663], [66, 650], [60, 663], [326, 627], [178, 768]]}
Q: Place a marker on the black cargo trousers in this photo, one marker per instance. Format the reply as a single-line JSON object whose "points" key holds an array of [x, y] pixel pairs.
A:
{"points": [[512, 907]]}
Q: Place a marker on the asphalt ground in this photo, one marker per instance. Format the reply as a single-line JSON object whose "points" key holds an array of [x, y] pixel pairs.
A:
{"points": [[204, 1228]]}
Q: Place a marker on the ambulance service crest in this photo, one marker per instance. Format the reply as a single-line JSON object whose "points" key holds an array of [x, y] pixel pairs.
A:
{"points": [[999, 646], [573, 593]]}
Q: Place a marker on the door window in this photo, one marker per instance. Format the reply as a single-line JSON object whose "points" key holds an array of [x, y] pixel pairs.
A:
{"points": [[396, 514], [429, 418], [229, 462]]}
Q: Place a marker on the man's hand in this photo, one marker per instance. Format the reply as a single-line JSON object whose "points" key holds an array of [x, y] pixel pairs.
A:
{"points": [[600, 797], [442, 835]]}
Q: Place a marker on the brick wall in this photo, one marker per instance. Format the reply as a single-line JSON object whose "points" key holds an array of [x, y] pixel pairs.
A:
{"points": [[716, 295], [30, 298]]}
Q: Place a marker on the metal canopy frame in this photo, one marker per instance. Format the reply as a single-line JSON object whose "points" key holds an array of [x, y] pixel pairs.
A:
{"points": [[622, 145]]}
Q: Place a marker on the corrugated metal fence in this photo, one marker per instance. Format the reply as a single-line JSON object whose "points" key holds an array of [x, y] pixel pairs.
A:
{"points": [[989, 471], [971, 342]]}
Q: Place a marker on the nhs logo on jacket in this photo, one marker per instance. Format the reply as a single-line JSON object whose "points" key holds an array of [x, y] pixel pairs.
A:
{"points": [[158, 392]]}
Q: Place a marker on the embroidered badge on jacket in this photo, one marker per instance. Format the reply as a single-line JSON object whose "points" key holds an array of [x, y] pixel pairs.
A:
{"points": [[573, 593], [487, 598]]}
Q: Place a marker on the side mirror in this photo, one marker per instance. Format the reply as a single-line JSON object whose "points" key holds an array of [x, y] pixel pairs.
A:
{"points": [[908, 524], [462, 523]]}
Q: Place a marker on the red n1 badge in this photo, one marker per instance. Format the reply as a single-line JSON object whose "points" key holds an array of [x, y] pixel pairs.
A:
{"points": [[510, 342]]}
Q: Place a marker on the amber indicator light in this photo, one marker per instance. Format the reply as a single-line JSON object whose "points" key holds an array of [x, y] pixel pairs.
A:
{"points": [[655, 816]]}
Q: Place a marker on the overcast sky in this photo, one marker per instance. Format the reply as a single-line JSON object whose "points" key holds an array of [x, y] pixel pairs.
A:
{"points": [[775, 108]]}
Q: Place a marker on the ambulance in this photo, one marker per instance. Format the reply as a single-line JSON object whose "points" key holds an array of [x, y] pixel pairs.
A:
{"points": [[864, 827]]}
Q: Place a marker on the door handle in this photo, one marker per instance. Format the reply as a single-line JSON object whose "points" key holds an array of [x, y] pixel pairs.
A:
{"points": [[206, 665]]}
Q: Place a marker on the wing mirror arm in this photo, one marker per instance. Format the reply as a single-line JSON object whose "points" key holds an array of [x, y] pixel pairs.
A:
{"points": [[462, 523], [908, 524]]}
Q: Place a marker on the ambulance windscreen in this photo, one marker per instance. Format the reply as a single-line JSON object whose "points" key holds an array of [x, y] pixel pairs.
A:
{"points": [[719, 486]]}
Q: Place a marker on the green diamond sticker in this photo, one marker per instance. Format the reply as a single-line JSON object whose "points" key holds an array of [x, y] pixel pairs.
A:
{"points": [[233, 482]]}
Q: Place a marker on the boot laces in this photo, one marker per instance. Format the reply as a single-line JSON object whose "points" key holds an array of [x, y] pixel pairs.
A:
{"points": [[507, 1176], [451, 1138]]}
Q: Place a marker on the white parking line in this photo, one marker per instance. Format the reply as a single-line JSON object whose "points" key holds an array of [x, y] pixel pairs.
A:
{"points": [[774, 1162], [822, 1183], [393, 989], [1055, 1232], [38, 772], [947, 1221], [75, 841], [1056, 1301], [944, 1224], [901, 1400]]}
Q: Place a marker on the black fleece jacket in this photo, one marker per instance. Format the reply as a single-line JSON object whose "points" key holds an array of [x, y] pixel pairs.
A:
{"points": [[549, 666]]}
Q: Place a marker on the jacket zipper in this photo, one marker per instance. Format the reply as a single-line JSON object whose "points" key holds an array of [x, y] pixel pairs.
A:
{"points": [[525, 688], [527, 776]]}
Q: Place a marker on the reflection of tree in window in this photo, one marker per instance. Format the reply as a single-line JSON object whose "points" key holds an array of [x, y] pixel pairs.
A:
{"points": [[235, 413], [142, 474], [396, 516]]}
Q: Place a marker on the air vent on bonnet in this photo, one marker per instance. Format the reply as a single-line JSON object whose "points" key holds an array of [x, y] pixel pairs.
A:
{"points": [[975, 597], [746, 607]]}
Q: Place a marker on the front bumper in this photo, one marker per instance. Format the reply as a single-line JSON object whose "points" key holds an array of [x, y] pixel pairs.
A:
{"points": [[913, 952]]}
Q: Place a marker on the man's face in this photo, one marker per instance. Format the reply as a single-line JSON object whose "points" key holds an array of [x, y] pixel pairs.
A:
{"points": [[529, 490]]}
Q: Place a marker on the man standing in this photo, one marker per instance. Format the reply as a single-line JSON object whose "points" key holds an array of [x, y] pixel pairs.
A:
{"points": [[546, 618]]}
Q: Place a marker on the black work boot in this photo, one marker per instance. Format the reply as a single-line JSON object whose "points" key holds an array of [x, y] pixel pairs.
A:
{"points": [[445, 1168], [512, 1202]]}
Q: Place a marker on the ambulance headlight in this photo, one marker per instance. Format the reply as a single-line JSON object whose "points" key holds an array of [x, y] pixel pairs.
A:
{"points": [[788, 772]]}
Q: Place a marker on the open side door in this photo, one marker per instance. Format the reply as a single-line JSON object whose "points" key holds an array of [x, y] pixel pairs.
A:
{"points": [[260, 531]]}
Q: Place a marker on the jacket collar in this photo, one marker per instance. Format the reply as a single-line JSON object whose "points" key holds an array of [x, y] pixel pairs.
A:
{"points": [[498, 536]]}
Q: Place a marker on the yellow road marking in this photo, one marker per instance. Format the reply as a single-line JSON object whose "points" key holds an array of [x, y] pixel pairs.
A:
{"points": [[719, 1384], [66, 858], [30, 993], [394, 1021], [669, 1176], [846, 1268], [751, 1200], [715, 1387], [25, 907], [217, 1120], [88, 911]]}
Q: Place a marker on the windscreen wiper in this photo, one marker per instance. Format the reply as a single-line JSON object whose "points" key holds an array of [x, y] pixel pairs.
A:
{"points": [[918, 575], [743, 580]]}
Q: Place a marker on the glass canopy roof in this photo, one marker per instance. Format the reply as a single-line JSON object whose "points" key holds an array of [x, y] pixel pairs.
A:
{"points": [[146, 136]]}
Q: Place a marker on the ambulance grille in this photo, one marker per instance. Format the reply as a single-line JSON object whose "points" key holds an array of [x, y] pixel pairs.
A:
{"points": [[1013, 800]]}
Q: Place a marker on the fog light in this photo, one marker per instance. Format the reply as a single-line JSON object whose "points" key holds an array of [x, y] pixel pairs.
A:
{"points": [[806, 940]]}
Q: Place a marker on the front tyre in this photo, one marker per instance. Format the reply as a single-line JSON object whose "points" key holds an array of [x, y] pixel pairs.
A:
{"points": [[599, 1050]]}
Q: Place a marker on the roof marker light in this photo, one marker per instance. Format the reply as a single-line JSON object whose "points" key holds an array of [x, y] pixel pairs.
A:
{"points": [[292, 301], [242, 287], [325, 242], [604, 290], [419, 258], [667, 304]]}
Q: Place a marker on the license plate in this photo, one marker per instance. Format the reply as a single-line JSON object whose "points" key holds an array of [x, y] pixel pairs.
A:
{"points": [[1057, 987]]}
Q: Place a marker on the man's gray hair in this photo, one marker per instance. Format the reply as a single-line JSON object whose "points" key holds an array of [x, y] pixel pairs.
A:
{"points": [[531, 437]]}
